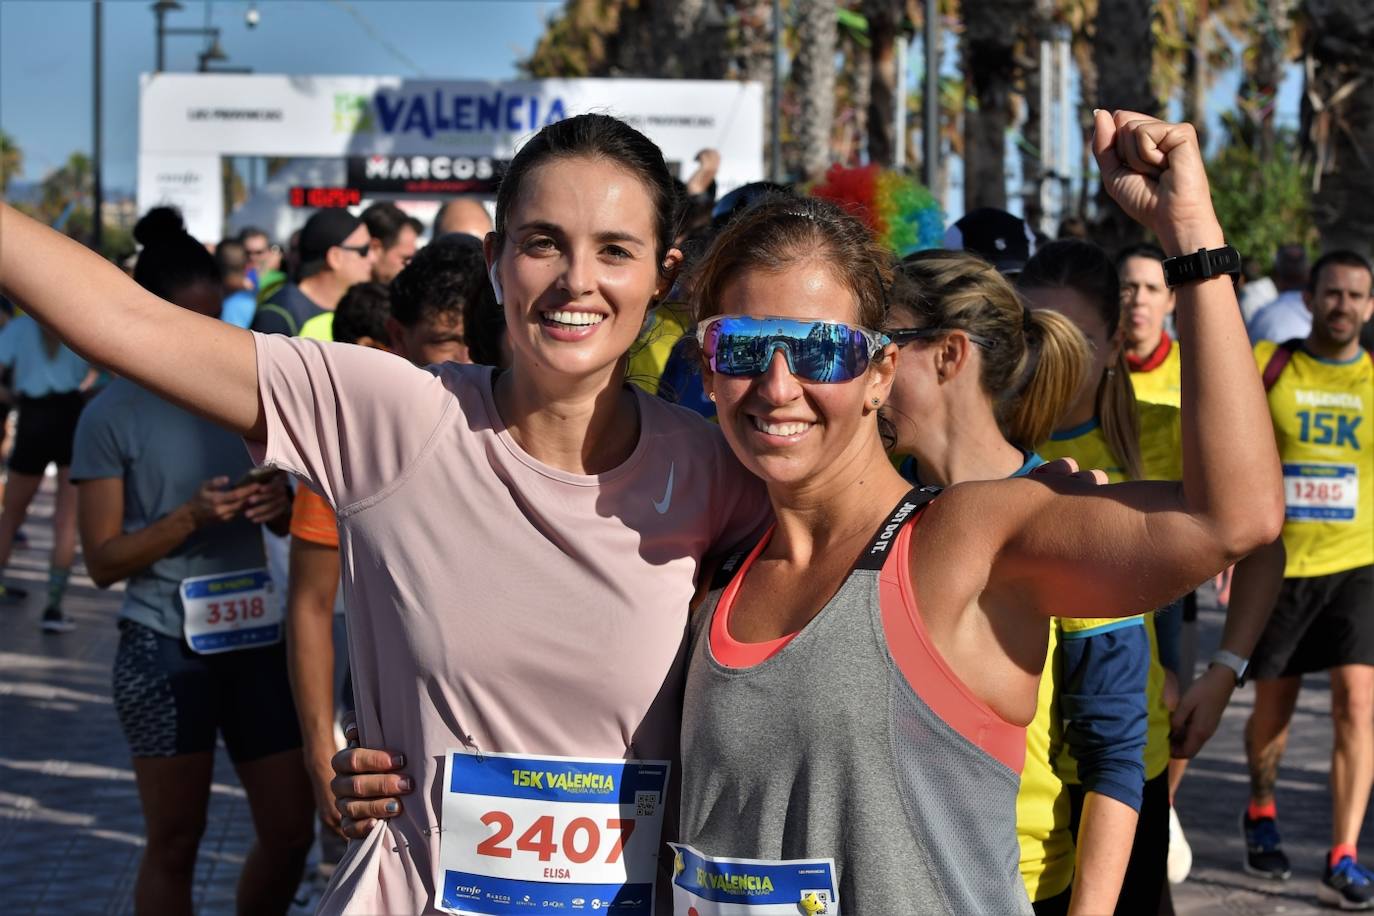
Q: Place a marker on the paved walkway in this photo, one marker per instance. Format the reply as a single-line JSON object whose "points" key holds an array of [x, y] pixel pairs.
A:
{"points": [[71, 833]]}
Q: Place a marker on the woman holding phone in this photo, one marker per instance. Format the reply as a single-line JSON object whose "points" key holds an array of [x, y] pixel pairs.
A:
{"points": [[171, 504]]}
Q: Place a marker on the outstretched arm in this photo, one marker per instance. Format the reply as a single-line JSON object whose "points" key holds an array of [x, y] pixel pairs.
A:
{"points": [[200, 363], [1071, 550]]}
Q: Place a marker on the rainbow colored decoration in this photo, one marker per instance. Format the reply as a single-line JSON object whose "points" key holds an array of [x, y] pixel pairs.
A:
{"points": [[901, 213]]}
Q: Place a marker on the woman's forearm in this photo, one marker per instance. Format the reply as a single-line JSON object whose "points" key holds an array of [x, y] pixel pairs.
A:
{"points": [[1106, 833], [198, 362], [125, 555]]}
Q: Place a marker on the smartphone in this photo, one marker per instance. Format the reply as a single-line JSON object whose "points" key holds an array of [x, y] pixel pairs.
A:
{"points": [[256, 475]]}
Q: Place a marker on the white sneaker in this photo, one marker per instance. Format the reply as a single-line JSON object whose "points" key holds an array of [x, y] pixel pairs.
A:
{"points": [[1180, 853]]}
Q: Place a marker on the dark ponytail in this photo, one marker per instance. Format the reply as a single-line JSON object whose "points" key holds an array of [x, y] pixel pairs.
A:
{"points": [[171, 259]]}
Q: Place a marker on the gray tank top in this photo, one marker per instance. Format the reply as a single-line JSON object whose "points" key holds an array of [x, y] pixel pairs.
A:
{"points": [[825, 750]]}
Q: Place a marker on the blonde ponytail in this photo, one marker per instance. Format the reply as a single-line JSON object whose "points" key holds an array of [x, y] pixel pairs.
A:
{"points": [[1053, 371]]}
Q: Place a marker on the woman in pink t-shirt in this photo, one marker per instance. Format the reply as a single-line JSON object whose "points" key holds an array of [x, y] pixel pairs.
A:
{"points": [[519, 549]]}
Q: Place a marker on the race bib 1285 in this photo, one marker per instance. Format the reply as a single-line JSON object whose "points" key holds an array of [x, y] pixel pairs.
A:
{"points": [[1317, 491], [526, 832]]}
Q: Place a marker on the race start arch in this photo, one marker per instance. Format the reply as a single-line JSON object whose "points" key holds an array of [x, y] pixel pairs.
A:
{"points": [[413, 137]]}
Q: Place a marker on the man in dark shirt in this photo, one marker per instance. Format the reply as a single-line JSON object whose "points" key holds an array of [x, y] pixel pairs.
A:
{"points": [[336, 252]]}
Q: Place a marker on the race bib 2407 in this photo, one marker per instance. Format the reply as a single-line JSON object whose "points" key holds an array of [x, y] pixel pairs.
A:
{"points": [[526, 832]]}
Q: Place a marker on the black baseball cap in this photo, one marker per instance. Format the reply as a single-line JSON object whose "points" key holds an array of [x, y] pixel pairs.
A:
{"points": [[324, 230], [1003, 240]]}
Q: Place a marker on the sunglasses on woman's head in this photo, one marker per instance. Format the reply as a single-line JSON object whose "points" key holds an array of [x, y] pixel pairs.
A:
{"points": [[818, 351]]}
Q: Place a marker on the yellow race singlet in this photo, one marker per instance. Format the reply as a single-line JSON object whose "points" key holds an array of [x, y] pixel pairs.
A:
{"points": [[666, 325], [1042, 805], [321, 327], [1162, 383], [1320, 410]]}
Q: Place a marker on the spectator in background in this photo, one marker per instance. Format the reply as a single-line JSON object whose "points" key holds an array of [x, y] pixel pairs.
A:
{"points": [[429, 299], [49, 385], [1287, 317], [698, 195], [335, 253], [1003, 240], [1072, 227], [167, 499], [263, 257], [464, 215], [317, 642], [395, 236], [1147, 302], [240, 305], [1255, 290], [361, 316]]}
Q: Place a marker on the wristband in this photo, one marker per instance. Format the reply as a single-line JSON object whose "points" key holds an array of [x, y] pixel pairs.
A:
{"points": [[1202, 264], [1239, 666]]}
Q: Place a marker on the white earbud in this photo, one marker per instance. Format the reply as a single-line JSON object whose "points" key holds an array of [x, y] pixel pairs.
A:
{"points": [[496, 285]]}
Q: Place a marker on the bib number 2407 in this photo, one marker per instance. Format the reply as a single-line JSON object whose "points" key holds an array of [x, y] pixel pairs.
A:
{"points": [[550, 832]]}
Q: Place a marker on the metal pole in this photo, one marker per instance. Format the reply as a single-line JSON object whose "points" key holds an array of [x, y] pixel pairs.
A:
{"points": [[161, 28], [930, 128], [97, 191], [1049, 143], [775, 139], [899, 106]]}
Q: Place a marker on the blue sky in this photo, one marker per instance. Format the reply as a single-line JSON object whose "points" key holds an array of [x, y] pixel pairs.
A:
{"points": [[45, 58]]}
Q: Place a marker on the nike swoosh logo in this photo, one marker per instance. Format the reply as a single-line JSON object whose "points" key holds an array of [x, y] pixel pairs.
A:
{"points": [[662, 505]]}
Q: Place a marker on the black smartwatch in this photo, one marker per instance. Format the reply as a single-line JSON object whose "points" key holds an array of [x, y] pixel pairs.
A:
{"points": [[1201, 265]]}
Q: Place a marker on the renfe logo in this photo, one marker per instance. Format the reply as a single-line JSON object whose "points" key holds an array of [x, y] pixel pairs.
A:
{"points": [[439, 111]]}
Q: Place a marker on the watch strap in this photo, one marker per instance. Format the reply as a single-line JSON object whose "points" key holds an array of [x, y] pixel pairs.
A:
{"points": [[1201, 265], [1238, 665]]}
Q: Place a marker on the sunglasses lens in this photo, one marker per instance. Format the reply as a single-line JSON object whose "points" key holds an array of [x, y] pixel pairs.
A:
{"points": [[814, 350]]}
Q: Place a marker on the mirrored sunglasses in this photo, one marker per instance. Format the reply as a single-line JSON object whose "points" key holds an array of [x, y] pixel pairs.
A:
{"points": [[818, 351]]}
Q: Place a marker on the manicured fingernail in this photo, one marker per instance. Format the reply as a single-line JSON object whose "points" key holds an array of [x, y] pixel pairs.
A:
{"points": [[406, 784], [398, 760], [392, 807]]}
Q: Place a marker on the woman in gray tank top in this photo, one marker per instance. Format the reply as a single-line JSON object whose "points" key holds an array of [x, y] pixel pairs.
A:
{"points": [[854, 713], [849, 727]]}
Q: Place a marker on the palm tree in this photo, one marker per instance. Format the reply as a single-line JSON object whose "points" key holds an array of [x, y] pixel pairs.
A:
{"points": [[1123, 43], [992, 30], [11, 161], [814, 75], [1338, 119]]}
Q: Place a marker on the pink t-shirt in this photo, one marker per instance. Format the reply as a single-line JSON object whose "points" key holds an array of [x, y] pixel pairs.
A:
{"points": [[494, 602]]}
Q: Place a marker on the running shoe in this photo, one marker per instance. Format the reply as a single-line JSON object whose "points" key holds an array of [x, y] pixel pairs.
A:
{"points": [[1348, 886], [12, 594], [1264, 856], [1180, 860], [54, 621]]}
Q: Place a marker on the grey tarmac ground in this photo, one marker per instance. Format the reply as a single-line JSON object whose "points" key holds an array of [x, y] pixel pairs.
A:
{"points": [[71, 833]]}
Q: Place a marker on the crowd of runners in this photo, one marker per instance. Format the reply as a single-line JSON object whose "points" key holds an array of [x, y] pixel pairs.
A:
{"points": [[654, 553]]}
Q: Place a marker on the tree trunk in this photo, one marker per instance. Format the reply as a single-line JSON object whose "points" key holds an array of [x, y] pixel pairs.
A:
{"points": [[814, 71], [1338, 120], [1033, 151], [991, 30], [858, 73], [884, 31], [1123, 46], [1260, 89], [1196, 75]]}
